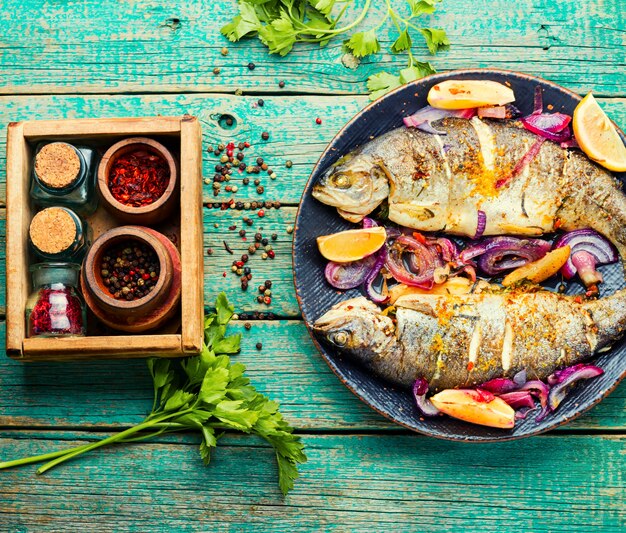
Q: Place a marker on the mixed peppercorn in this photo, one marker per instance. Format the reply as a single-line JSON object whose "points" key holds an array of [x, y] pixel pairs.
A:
{"points": [[129, 270]]}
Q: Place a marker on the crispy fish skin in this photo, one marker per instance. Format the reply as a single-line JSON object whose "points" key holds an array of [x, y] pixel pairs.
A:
{"points": [[440, 182], [466, 340]]}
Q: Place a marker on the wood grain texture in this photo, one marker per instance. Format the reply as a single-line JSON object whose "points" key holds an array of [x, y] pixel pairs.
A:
{"points": [[98, 46], [101, 394], [350, 483], [290, 120]]}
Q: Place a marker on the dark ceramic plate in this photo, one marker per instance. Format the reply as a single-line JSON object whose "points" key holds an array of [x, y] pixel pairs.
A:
{"points": [[316, 296]]}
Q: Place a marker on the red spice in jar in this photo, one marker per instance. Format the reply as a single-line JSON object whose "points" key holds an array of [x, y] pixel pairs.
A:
{"points": [[139, 178], [57, 312]]}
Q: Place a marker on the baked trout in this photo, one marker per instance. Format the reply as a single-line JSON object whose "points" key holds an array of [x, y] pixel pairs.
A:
{"points": [[440, 182], [466, 340]]}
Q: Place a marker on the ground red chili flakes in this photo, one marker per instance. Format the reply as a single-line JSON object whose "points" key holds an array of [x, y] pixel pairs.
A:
{"points": [[139, 178], [56, 312]]}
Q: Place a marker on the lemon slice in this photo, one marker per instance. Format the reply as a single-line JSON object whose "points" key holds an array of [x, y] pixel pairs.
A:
{"points": [[463, 94], [351, 245], [539, 270], [597, 136]]}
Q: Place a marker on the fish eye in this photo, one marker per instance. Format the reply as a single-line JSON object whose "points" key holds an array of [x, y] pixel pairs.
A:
{"points": [[340, 181], [340, 338]]}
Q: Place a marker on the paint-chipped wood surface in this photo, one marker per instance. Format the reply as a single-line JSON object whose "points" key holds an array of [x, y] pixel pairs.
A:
{"points": [[81, 59]]}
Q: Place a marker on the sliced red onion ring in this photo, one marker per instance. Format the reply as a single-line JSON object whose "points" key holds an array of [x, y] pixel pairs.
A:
{"points": [[537, 388], [480, 225], [518, 399], [420, 389], [499, 386], [497, 254], [369, 223], [570, 143], [599, 251], [560, 390], [425, 116], [552, 126], [348, 275], [368, 283], [424, 261], [522, 163], [449, 251]]}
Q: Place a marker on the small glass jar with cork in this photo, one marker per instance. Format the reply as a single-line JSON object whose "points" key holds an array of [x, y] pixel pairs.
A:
{"points": [[64, 175], [58, 234]]}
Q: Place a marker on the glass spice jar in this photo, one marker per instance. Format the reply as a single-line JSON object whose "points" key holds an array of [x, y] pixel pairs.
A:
{"points": [[64, 175], [58, 234], [55, 307]]}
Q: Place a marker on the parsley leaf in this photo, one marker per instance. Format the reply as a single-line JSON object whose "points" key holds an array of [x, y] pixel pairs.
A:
{"points": [[436, 39], [363, 43], [206, 393], [403, 42], [244, 24], [422, 7], [381, 83]]}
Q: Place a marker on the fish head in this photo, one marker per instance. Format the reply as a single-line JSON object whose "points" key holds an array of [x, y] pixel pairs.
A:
{"points": [[356, 327], [356, 185]]}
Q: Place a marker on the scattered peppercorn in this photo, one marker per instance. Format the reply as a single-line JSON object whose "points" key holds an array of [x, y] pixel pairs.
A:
{"points": [[259, 299], [216, 71], [290, 229], [248, 326], [264, 242], [271, 254], [274, 236], [257, 181], [268, 283], [288, 163], [251, 66], [259, 346], [246, 180], [224, 51], [265, 135], [261, 213], [318, 120], [260, 103], [260, 189], [242, 232], [281, 84]]}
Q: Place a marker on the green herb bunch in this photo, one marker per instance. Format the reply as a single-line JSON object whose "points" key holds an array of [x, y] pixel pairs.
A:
{"points": [[280, 24], [207, 394]]}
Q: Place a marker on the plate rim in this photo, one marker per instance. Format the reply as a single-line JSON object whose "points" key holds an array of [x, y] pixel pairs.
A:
{"points": [[333, 367]]}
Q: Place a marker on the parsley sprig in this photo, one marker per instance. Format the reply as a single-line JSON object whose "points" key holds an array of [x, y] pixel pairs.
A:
{"points": [[280, 24], [207, 394]]}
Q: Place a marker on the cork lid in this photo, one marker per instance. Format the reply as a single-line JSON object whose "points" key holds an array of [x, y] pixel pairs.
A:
{"points": [[57, 165], [52, 230]]}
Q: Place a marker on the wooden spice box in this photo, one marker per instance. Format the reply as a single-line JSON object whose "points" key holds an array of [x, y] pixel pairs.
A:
{"points": [[180, 338]]}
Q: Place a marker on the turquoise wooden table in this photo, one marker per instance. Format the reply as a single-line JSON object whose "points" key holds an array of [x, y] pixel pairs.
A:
{"points": [[108, 58]]}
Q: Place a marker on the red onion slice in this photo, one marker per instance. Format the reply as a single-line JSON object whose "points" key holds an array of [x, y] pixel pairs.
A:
{"points": [[420, 389], [425, 116], [552, 126], [497, 254], [522, 163], [425, 262], [499, 386], [518, 399], [368, 283], [560, 390], [346, 276], [480, 225], [586, 240]]}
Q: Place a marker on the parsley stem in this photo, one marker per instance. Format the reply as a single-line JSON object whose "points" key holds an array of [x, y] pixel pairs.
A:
{"points": [[109, 440], [356, 22], [39, 458]]}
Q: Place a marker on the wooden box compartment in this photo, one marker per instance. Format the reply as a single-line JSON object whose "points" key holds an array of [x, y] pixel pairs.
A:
{"points": [[182, 337]]}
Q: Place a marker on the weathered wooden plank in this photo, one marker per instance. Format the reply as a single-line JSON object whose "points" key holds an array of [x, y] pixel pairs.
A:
{"points": [[290, 121], [288, 368], [350, 483], [95, 47]]}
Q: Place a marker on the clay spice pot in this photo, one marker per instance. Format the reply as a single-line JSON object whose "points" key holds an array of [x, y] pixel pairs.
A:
{"points": [[137, 180], [131, 278]]}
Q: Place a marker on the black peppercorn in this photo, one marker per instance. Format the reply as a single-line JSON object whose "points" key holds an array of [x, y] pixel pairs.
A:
{"points": [[281, 84], [265, 135], [259, 346], [251, 66]]}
